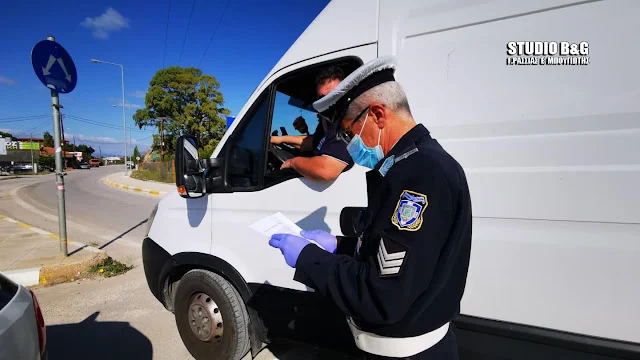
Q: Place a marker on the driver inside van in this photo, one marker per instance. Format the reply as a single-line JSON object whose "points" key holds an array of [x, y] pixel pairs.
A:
{"points": [[331, 157]]}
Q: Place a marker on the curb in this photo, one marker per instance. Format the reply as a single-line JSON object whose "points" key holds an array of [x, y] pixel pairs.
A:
{"points": [[51, 274], [7, 177], [60, 273], [108, 181]]}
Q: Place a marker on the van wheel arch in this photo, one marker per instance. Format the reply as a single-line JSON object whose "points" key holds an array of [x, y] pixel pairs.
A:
{"points": [[182, 263]]}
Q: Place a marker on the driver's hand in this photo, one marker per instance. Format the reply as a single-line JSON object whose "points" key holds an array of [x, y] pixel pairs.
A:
{"points": [[276, 140], [286, 165]]}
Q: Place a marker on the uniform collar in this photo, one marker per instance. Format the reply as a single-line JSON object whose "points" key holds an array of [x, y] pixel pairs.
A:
{"points": [[406, 142]]}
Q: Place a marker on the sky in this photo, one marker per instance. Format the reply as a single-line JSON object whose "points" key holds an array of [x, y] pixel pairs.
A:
{"points": [[143, 36]]}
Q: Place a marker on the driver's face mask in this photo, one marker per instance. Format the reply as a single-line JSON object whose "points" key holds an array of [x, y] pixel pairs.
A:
{"points": [[361, 153]]}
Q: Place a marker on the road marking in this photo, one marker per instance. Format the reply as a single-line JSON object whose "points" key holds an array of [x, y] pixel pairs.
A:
{"points": [[23, 225], [109, 182], [50, 234]]}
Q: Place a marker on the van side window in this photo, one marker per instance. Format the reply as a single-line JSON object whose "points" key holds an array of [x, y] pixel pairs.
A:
{"points": [[246, 167]]}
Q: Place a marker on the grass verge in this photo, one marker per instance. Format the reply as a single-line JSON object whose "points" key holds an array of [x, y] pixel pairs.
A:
{"points": [[109, 267], [144, 174]]}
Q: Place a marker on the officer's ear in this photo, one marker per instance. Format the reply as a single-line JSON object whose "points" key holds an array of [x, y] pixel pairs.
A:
{"points": [[380, 114]]}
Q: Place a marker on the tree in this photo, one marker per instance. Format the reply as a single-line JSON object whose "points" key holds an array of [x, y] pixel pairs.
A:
{"points": [[48, 139], [5, 135], [190, 103], [87, 151], [136, 153]]}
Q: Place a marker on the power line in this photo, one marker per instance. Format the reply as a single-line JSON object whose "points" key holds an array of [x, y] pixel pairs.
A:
{"points": [[193, 5], [100, 123], [38, 127], [166, 35], [214, 32], [24, 118]]}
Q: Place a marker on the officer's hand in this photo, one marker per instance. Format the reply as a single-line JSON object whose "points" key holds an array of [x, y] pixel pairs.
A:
{"points": [[290, 245], [325, 239]]}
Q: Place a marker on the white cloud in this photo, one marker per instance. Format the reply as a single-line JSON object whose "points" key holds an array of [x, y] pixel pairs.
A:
{"points": [[17, 132], [118, 102], [108, 22], [92, 139], [6, 81], [139, 94]]}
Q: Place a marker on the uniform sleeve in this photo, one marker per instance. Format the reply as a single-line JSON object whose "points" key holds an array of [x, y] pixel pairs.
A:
{"points": [[381, 290], [336, 149]]}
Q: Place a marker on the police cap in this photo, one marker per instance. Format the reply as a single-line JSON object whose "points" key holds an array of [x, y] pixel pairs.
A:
{"points": [[334, 105]]}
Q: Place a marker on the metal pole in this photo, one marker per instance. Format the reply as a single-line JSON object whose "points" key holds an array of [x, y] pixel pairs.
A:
{"points": [[124, 123], [62, 216], [130, 145], [33, 168]]}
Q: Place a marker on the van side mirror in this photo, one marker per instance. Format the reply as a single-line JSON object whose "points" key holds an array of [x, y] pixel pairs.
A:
{"points": [[190, 170], [350, 221]]}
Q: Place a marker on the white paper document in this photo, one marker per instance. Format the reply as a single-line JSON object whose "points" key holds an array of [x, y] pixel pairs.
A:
{"points": [[277, 224]]}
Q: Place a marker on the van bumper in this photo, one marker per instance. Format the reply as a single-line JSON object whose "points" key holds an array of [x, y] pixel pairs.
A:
{"points": [[154, 260]]}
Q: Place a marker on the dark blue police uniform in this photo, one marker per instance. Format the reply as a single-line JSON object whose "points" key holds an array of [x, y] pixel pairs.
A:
{"points": [[409, 271], [329, 145]]}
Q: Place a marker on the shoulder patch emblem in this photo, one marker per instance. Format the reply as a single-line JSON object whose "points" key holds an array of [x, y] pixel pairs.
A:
{"points": [[386, 165], [408, 212], [321, 142]]}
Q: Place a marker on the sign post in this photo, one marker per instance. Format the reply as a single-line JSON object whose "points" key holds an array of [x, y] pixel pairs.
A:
{"points": [[55, 69]]}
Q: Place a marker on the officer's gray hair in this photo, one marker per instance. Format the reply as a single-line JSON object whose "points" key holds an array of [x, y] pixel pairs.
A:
{"points": [[390, 94]]}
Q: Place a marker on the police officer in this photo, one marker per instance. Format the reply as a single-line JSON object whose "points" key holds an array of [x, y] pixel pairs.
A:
{"points": [[403, 286]]}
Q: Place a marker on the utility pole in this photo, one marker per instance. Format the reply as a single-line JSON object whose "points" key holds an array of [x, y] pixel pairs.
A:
{"points": [[62, 216], [33, 168], [162, 138]]}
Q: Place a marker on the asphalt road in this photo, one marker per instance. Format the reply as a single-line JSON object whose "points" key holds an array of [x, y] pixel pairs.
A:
{"points": [[115, 318], [96, 214]]}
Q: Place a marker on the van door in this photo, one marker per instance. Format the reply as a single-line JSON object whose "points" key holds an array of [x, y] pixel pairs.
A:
{"points": [[551, 152], [261, 189]]}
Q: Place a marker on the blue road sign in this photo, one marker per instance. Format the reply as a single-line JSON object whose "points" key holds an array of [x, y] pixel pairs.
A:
{"points": [[54, 67]]}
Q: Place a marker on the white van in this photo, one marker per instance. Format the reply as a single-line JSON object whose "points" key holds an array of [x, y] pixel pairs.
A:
{"points": [[551, 152]]}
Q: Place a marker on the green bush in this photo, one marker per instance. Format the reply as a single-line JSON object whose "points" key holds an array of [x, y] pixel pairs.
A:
{"points": [[144, 174], [47, 161]]}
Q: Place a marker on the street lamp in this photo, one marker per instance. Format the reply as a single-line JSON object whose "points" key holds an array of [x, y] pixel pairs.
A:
{"points": [[130, 118], [124, 119]]}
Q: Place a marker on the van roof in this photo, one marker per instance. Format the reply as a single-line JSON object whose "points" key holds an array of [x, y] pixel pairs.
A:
{"points": [[327, 33]]}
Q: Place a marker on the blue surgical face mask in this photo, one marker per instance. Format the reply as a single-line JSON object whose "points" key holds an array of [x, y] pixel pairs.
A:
{"points": [[361, 153]]}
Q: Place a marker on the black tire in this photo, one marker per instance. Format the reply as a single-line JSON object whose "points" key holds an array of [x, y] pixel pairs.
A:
{"points": [[234, 342]]}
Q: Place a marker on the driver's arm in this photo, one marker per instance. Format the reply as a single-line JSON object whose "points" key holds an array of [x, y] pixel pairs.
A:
{"points": [[317, 168], [296, 140]]}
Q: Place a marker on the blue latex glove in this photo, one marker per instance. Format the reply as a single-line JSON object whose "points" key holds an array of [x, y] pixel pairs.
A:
{"points": [[323, 238], [290, 245]]}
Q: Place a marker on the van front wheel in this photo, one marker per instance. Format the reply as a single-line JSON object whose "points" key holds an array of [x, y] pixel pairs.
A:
{"points": [[211, 317]]}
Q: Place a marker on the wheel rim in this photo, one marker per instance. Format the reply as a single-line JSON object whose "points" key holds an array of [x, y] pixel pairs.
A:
{"points": [[205, 318]]}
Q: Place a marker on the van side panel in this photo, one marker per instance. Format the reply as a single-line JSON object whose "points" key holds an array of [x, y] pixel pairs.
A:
{"points": [[552, 153], [312, 205]]}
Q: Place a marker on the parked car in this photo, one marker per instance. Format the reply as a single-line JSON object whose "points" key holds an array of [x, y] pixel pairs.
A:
{"points": [[22, 327], [94, 162], [84, 165]]}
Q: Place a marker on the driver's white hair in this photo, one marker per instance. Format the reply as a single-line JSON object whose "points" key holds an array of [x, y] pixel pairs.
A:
{"points": [[390, 94]]}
